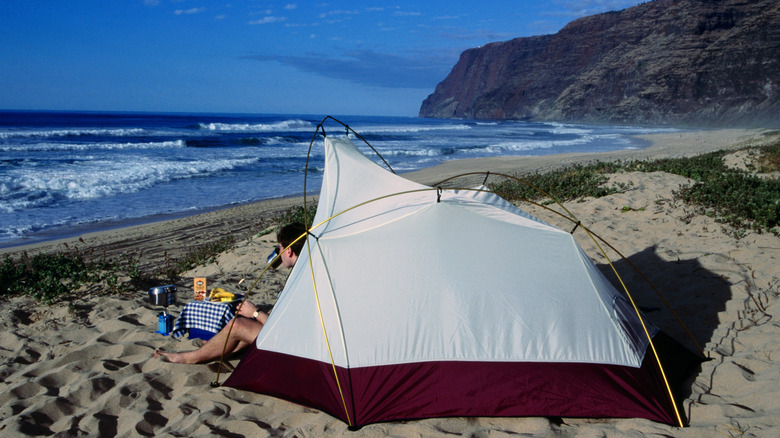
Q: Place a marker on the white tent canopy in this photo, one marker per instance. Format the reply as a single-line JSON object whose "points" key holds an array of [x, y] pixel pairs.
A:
{"points": [[410, 278], [400, 281]]}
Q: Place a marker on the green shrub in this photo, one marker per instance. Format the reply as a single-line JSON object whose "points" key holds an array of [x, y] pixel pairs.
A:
{"points": [[296, 214], [770, 158], [200, 255], [733, 196], [699, 168], [48, 277], [738, 199], [566, 184]]}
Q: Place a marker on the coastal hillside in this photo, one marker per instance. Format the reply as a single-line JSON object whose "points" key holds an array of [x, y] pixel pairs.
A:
{"points": [[692, 62]]}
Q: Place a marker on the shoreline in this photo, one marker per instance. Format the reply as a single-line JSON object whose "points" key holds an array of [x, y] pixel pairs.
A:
{"points": [[662, 145], [117, 237], [64, 233]]}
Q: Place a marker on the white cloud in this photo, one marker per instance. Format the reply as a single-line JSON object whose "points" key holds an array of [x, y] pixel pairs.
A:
{"points": [[189, 11], [268, 19], [422, 70], [290, 6]]}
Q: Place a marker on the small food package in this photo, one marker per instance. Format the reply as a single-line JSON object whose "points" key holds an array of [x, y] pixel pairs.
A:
{"points": [[200, 288]]}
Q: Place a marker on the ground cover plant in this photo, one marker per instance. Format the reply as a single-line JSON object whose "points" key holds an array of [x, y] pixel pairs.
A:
{"points": [[52, 276], [200, 255], [769, 161], [735, 197], [48, 277]]}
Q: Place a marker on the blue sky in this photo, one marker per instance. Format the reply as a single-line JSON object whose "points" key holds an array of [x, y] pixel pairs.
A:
{"points": [[245, 56]]}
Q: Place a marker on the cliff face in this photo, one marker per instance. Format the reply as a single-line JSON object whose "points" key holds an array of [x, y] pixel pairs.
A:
{"points": [[697, 62]]}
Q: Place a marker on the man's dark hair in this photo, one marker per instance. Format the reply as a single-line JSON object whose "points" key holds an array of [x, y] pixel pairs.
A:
{"points": [[288, 233]]}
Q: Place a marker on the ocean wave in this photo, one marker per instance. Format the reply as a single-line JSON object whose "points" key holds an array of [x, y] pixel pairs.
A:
{"points": [[29, 188], [286, 125], [409, 129], [280, 140], [75, 132], [560, 128], [59, 147], [529, 146], [423, 152], [70, 174], [15, 231], [493, 148], [226, 141]]}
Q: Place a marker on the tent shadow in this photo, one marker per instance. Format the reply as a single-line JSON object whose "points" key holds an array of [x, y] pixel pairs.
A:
{"points": [[694, 293]]}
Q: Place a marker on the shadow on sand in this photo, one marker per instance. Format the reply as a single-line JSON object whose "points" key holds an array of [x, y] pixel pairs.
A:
{"points": [[696, 297], [694, 293]]}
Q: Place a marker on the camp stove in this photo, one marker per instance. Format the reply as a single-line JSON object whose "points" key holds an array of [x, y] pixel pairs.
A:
{"points": [[163, 296]]}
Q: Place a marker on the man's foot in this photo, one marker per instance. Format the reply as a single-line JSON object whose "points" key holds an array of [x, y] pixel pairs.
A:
{"points": [[172, 357]]}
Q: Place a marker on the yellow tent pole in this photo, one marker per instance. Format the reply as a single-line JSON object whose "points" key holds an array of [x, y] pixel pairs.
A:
{"points": [[325, 333], [644, 327]]}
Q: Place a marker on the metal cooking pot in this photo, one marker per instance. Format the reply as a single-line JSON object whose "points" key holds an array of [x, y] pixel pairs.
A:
{"points": [[162, 295]]}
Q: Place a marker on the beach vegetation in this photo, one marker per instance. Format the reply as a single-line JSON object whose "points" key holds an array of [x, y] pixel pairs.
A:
{"points": [[732, 196], [769, 161], [172, 267], [293, 214], [573, 182], [297, 214], [48, 277]]}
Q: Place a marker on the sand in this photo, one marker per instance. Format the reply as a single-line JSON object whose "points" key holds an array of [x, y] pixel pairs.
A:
{"points": [[85, 367]]}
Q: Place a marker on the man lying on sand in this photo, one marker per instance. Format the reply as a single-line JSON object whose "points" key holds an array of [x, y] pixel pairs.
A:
{"points": [[250, 319]]}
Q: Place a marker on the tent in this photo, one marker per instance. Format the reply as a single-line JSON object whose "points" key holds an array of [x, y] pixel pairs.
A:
{"points": [[409, 301]]}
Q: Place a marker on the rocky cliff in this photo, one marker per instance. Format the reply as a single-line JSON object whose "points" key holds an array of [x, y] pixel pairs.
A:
{"points": [[693, 62]]}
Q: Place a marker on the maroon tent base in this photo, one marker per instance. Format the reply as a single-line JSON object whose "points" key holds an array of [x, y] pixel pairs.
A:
{"points": [[490, 389]]}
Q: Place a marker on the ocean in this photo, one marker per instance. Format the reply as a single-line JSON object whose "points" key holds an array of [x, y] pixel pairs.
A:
{"points": [[64, 172]]}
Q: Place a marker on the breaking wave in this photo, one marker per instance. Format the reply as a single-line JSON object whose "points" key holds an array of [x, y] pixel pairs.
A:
{"points": [[286, 125]]}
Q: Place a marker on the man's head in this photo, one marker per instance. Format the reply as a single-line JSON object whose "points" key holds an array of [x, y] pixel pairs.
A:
{"points": [[289, 248]]}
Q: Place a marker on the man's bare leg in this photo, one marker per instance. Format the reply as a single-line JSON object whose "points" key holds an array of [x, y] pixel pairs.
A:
{"points": [[244, 332]]}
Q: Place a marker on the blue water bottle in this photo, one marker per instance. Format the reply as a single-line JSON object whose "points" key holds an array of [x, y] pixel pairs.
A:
{"points": [[164, 323]]}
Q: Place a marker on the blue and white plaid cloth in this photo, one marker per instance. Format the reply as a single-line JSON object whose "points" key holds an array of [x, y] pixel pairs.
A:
{"points": [[203, 315]]}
